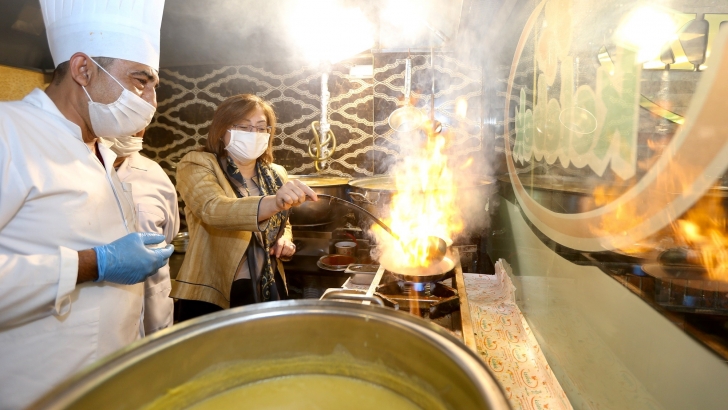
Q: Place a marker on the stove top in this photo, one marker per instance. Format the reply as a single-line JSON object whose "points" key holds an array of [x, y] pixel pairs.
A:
{"points": [[437, 302], [425, 299]]}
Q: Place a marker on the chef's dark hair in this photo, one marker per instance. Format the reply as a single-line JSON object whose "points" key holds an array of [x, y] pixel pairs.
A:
{"points": [[232, 111], [60, 72]]}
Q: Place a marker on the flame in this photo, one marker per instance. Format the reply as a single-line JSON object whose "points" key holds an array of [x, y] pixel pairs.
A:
{"points": [[468, 162], [414, 306], [703, 230], [425, 204]]}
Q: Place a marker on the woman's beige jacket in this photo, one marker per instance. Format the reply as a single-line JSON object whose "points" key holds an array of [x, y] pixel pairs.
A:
{"points": [[220, 227]]}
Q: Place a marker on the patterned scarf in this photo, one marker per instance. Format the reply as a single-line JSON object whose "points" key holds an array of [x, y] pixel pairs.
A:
{"points": [[269, 182]]}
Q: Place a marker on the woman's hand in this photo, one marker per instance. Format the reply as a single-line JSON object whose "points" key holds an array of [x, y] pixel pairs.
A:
{"points": [[293, 193], [283, 249]]}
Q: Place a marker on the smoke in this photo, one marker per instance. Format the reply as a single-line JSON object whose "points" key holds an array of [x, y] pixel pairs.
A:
{"points": [[228, 32]]}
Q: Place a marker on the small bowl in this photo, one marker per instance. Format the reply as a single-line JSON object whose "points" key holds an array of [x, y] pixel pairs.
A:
{"points": [[337, 263], [346, 248]]}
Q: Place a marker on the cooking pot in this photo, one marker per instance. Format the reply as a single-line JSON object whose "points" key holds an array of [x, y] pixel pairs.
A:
{"points": [[321, 212], [219, 352], [375, 195]]}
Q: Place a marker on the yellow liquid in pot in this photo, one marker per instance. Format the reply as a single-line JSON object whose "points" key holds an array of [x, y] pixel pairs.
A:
{"points": [[309, 391]]}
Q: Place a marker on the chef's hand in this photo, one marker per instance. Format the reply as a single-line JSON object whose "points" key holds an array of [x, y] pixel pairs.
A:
{"points": [[283, 249], [128, 261], [293, 193]]}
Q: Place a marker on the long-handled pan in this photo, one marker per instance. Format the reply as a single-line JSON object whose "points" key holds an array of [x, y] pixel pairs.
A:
{"points": [[436, 247]]}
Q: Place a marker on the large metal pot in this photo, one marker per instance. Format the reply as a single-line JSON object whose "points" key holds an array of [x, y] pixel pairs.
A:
{"points": [[403, 353], [320, 212], [375, 195]]}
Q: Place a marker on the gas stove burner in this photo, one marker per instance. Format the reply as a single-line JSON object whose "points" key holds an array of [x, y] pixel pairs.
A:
{"points": [[426, 299], [419, 287]]}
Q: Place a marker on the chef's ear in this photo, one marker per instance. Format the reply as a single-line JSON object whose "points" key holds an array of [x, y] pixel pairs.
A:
{"points": [[81, 68]]}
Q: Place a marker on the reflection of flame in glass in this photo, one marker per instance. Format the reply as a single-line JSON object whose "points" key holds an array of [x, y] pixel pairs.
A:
{"points": [[703, 229], [623, 217], [326, 31], [648, 30], [578, 120]]}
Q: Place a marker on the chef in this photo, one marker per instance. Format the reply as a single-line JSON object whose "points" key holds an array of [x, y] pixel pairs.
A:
{"points": [[71, 265], [155, 201]]}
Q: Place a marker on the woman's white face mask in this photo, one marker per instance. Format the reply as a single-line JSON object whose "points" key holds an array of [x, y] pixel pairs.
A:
{"points": [[246, 146], [127, 115]]}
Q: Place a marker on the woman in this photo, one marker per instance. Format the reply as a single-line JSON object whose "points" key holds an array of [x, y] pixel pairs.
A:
{"points": [[237, 204]]}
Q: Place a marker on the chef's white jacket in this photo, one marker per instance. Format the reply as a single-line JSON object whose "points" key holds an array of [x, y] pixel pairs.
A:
{"points": [[155, 200], [56, 198]]}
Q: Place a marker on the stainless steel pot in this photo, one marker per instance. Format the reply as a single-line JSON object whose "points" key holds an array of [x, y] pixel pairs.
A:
{"points": [[403, 353], [320, 212], [373, 194]]}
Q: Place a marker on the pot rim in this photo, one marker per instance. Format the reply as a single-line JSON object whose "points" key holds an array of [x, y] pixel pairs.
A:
{"points": [[325, 180], [66, 393], [385, 183]]}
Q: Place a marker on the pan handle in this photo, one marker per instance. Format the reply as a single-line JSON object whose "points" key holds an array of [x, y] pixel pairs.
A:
{"points": [[362, 210], [345, 294]]}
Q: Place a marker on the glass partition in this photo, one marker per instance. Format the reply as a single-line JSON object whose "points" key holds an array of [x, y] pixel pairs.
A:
{"points": [[614, 157]]}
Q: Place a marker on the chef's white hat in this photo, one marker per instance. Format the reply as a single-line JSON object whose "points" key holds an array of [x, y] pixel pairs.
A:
{"points": [[126, 29]]}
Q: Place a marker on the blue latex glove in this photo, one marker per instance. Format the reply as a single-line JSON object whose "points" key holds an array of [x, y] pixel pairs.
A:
{"points": [[128, 261]]}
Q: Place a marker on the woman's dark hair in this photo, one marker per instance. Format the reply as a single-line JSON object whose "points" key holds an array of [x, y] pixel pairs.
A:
{"points": [[232, 111]]}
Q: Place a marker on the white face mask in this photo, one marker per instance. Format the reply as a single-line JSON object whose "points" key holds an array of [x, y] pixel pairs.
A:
{"points": [[246, 146], [127, 115], [125, 146]]}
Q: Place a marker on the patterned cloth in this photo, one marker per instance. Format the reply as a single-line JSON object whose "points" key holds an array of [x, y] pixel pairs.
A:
{"points": [[269, 183], [507, 345]]}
